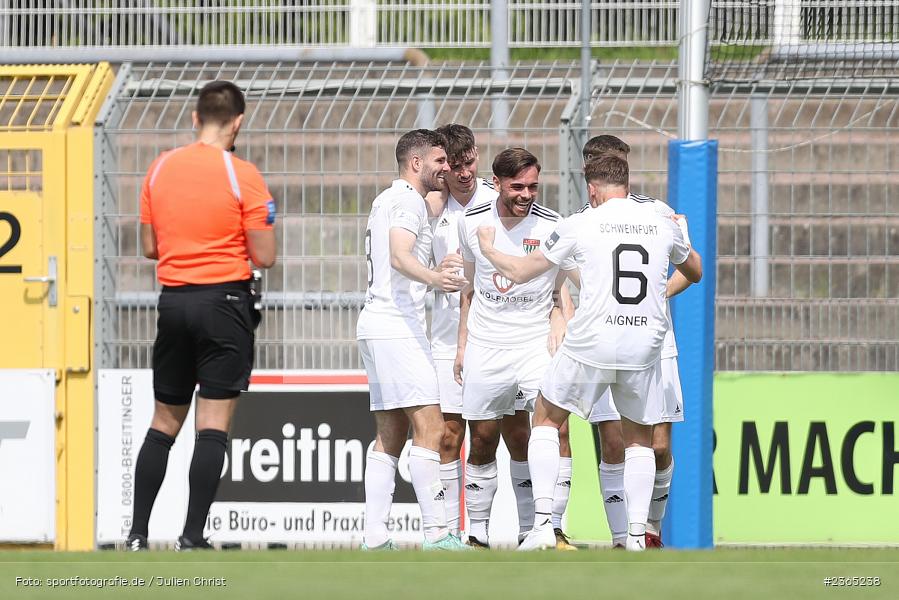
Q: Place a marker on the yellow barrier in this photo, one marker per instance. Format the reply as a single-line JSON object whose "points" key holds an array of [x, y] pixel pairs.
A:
{"points": [[47, 115]]}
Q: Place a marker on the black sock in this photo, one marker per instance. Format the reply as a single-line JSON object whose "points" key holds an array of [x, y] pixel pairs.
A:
{"points": [[205, 472], [149, 471]]}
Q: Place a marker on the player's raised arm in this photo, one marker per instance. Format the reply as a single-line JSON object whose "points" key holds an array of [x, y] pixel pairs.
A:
{"points": [[451, 262], [403, 260], [436, 200], [518, 269], [691, 268], [678, 282]]}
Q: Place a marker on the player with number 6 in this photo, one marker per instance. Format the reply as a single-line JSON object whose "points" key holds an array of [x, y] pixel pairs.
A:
{"points": [[623, 249]]}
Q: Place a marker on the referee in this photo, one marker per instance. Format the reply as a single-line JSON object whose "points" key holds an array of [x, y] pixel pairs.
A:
{"points": [[204, 213]]}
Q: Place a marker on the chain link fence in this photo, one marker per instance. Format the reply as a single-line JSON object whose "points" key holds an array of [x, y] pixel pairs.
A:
{"points": [[808, 265], [804, 104], [808, 229], [323, 136]]}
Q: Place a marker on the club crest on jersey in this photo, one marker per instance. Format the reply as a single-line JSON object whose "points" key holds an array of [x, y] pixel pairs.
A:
{"points": [[530, 245], [502, 283]]}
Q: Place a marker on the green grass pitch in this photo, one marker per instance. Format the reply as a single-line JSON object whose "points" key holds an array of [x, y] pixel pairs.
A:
{"points": [[726, 574]]}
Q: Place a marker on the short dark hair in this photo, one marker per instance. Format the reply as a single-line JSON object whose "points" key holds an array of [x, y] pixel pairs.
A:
{"points": [[459, 141], [417, 141], [512, 161], [604, 144], [220, 102], [607, 169]]}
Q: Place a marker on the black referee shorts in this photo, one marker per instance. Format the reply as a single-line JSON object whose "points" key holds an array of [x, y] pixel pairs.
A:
{"points": [[205, 335]]}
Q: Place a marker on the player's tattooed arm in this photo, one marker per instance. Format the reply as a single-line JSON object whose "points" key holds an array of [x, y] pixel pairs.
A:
{"points": [[519, 269], [465, 297], [148, 241], [402, 241]]}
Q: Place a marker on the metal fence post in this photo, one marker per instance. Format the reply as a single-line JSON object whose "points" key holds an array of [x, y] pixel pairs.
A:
{"points": [[499, 61], [363, 23], [758, 125], [787, 21], [693, 100], [5, 21], [426, 116], [106, 239], [571, 187], [586, 71]]}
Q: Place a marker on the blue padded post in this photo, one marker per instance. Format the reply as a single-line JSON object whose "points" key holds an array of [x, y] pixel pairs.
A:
{"points": [[693, 191]]}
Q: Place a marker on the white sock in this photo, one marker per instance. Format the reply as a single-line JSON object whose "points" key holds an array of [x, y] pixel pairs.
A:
{"points": [[639, 475], [563, 491], [450, 477], [424, 468], [611, 482], [480, 488], [543, 459], [380, 480], [524, 497], [660, 491]]}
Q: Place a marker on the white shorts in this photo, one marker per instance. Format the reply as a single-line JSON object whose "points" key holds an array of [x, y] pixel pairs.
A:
{"points": [[450, 391], [578, 388], [400, 372], [673, 399], [501, 381]]}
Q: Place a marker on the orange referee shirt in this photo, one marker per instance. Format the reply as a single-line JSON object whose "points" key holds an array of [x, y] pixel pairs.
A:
{"points": [[200, 200]]}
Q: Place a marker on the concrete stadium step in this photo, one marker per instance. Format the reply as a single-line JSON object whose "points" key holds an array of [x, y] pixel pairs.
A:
{"points": [[814, 320], [350, 149], [344, 190], [813, 277], [805, 356], [797, 235]]}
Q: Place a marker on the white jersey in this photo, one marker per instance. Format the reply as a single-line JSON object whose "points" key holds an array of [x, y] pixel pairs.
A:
{"points": [[669, 344], [623, 249], [445, 312], [394, 304], [505, 314]]}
